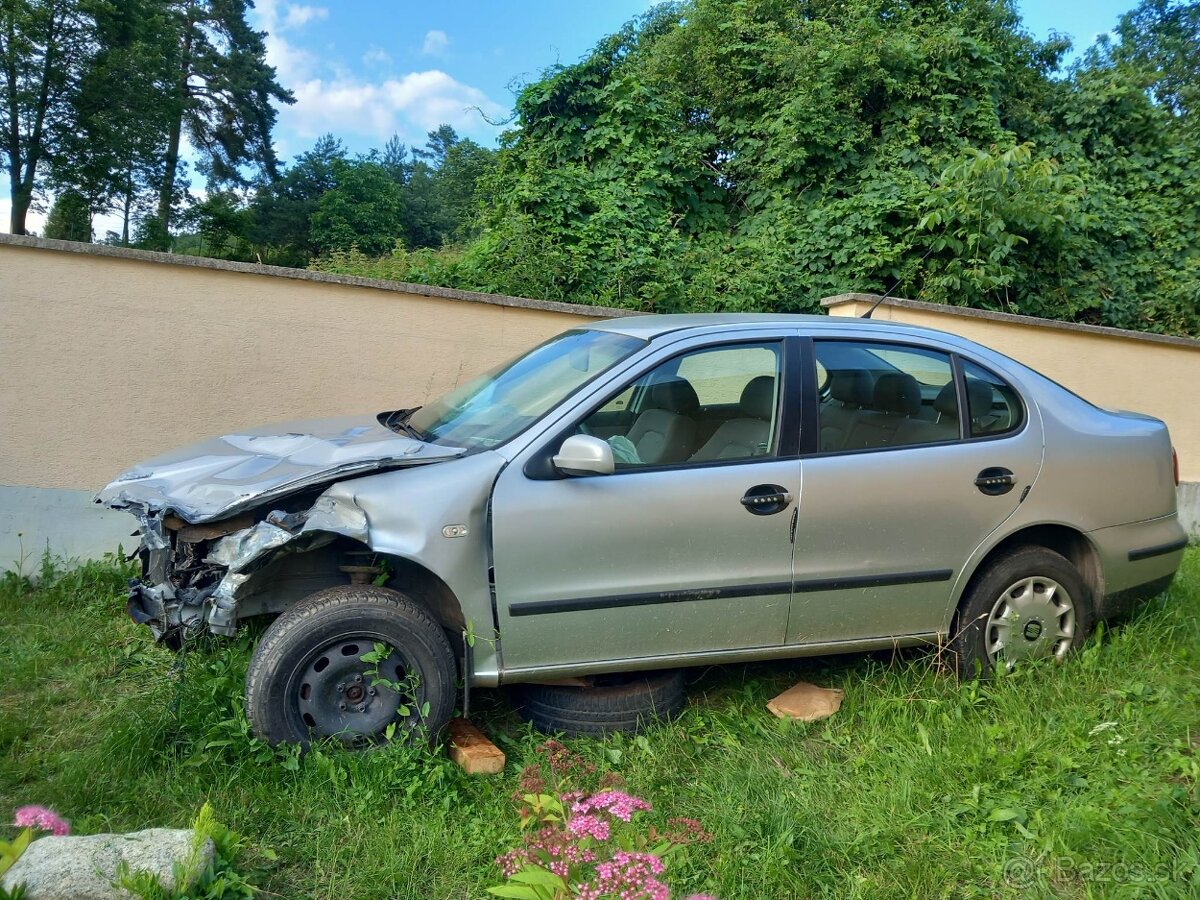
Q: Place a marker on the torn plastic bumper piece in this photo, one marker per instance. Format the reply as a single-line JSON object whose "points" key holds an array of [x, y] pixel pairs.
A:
{"points": [[199, 584]]}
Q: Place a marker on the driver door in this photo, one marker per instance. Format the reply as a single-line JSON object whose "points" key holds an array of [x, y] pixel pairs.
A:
{"points": [[666, 556]]}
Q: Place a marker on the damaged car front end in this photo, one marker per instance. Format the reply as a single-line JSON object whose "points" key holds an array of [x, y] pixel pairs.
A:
{"points": [[212, 516]]}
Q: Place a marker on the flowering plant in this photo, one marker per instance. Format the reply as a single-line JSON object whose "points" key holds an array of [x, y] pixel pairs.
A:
{"points": [[30, 819], [581, 843]]}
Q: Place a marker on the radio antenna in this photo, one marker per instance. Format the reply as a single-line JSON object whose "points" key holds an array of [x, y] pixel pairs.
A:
{"points": [[888, 292]]}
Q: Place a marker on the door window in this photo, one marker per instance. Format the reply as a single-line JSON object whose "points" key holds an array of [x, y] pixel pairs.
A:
{"points": [[877, 395], [710, 405]]}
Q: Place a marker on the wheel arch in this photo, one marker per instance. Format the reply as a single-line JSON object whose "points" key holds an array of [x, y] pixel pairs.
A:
{"points": [[294, 573], [1064, 540]]}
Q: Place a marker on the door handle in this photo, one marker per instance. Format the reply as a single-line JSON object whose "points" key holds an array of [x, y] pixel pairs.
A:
{"points": [[995, 481], [766, 499]]}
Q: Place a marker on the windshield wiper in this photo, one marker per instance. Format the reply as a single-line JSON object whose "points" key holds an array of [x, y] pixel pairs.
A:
{"points": [[398, 422]]}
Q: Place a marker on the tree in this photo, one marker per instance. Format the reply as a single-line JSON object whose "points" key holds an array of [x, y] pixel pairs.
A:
{"points": [[762, 154], [113, 154], [70, 218], [1161, 38], [220, 96], [45, 46], [365, 209], [281, 209]]}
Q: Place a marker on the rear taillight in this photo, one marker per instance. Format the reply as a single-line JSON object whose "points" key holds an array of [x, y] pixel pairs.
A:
{"points": [[1175, 464]]}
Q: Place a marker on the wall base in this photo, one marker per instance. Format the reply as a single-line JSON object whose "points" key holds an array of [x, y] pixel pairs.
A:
{"points": [[67, 522]]}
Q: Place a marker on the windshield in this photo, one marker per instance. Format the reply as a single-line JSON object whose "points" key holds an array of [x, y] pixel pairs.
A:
{"points": [[502, 403]]}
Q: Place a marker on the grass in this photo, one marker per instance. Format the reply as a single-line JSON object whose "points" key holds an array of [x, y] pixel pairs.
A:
{"points": [[1073, 781]]}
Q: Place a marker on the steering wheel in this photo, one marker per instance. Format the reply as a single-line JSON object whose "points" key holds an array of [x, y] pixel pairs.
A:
{"points": [[582, 428]]}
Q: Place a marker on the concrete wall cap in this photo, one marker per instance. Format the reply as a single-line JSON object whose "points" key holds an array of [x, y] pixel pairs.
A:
{"points": [[224, 265], [971, 313]]}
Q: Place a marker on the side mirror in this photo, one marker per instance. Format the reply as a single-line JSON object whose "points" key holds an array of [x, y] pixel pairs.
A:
{"points": [[583, 454]]}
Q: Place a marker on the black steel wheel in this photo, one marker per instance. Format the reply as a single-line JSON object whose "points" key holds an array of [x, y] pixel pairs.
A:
{"points": [[316, 673], [605, 704]]}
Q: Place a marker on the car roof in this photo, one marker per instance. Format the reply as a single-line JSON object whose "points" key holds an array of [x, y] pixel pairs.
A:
{"points": [[653, 326]]}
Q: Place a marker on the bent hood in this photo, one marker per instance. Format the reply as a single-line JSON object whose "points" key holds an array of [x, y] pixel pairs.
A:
{"points": [[221, 477]]}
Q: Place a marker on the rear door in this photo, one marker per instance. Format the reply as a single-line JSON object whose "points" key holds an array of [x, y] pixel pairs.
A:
{"points": [[657, 560], [902, 488]]}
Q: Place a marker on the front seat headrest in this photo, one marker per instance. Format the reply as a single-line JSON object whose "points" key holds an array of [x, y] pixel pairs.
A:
{"points": [[676, 395], [897, 392], [979, 399], [852, 387], [758, 397]]}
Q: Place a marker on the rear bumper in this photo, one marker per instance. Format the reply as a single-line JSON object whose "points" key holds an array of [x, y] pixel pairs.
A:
{"points": [[1139, 561], [1122, 603]]}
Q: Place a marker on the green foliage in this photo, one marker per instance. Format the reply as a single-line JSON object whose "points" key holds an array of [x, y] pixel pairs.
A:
{"points": [[70, 218], [11, 851], [363, 209], [760, 155]]}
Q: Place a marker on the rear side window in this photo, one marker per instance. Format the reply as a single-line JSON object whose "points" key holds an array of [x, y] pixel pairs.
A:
{"points": [[879, 395], [993, 404]]}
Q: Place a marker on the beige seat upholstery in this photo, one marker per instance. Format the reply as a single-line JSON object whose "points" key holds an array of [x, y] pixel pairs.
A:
{"points": [[750, 433], [665, 432]]}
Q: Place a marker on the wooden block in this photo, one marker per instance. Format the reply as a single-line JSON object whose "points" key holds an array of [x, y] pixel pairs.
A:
{"points": [[806, 702], [472, 751]]}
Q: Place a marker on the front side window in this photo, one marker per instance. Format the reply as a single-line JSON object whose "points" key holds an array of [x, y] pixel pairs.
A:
{"points": [[502, 403], [878, 395], [710, 405]]}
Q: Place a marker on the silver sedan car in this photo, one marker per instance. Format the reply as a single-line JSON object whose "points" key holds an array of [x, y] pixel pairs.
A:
{"points": [[652, 493]]}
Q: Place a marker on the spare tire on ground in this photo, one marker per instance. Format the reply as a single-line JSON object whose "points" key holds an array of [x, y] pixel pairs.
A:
{"points": [[603, 704]]}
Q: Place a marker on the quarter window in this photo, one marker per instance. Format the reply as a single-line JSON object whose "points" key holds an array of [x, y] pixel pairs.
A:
{"points": [[876, 395], [994, 406]]}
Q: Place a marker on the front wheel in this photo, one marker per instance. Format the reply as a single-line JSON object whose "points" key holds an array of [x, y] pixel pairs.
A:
{"points": [[357, 663], [1030, 605]]}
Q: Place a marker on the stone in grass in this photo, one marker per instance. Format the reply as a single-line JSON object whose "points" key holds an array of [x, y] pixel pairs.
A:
{"points": [[806, 702], [85, 868]]}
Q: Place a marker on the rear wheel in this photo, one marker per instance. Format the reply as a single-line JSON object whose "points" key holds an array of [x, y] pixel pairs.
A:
{"points": [[1030, 605], [308, 678], [607, 704]]}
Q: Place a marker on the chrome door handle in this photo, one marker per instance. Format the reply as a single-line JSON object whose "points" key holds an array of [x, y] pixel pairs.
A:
{"points": [[766, 499]]}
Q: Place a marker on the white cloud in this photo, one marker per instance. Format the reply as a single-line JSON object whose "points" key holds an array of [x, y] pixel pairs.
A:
{"points": [[435, 44], [376, 57], [423, 99], [299, 16], [292, 64]]}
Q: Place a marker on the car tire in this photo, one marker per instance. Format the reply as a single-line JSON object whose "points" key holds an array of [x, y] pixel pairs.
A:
{"points": [[625, 703], [1030, 604], [306, 679]]}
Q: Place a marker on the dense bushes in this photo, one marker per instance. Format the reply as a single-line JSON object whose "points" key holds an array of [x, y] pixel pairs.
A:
{"points": [[762, 154]]}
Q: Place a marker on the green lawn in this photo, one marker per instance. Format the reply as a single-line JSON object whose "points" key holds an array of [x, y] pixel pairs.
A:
{"points": [[1079, 781]]}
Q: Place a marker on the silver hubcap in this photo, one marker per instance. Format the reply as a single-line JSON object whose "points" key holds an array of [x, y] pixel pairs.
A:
{"points": [[1033, 618]]}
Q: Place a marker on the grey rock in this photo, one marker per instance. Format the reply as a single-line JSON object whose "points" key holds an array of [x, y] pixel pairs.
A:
{"points": [[85, 868]]}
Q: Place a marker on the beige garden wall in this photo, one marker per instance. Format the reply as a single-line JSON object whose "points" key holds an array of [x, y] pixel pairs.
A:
{"points": [[1118, 369], [108, 356]]}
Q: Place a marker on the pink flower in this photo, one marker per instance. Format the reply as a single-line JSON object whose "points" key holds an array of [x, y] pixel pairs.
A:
{"points": [[585, 824], [41, 818], [617, 803]]}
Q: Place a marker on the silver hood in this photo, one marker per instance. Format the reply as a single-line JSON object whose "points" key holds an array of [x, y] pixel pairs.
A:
{"points": [[221, 477]]}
